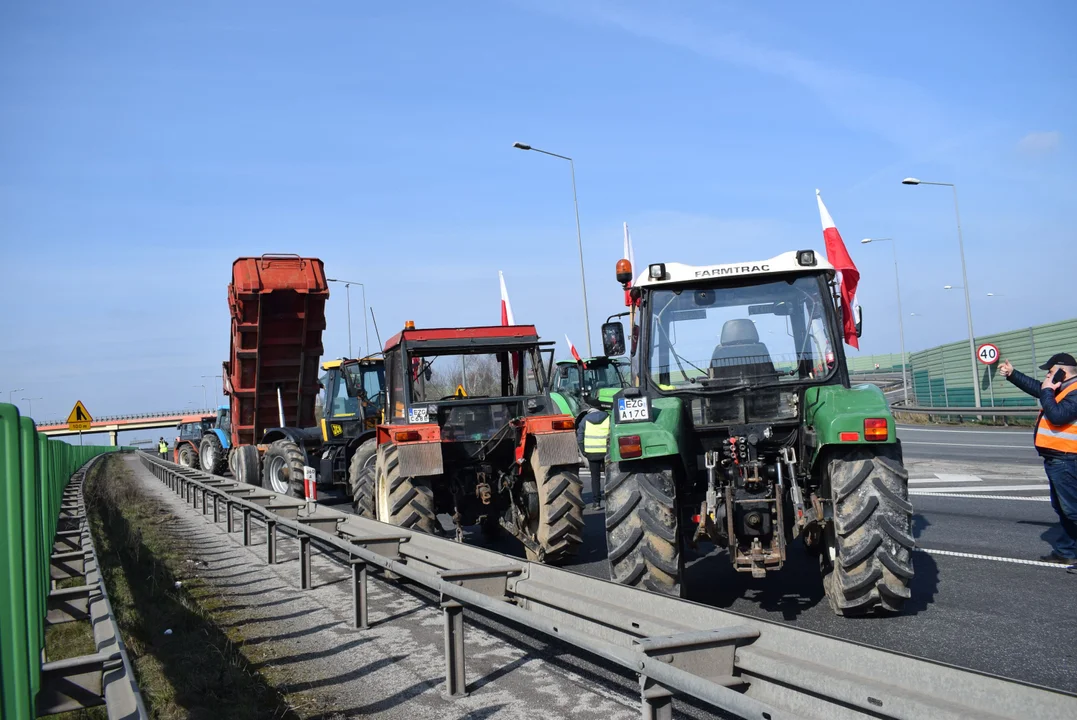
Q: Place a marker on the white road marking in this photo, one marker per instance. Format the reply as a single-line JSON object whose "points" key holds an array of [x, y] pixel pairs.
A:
{"points": [[988, 488], [984, 446], [1033, 498], [1027, 433], [974, 556]]}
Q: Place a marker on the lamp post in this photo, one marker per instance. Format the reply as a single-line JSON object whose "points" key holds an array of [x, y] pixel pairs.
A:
{"points": [[901, 323], [30, 404], [12, 392], [366, 331], [579, 237], [964, 278], [215, 377], [205, 401]]}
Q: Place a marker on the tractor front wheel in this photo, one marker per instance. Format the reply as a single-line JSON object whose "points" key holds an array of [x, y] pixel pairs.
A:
{"points": [[282, 469], [559, 525], [187, 456], [406, 502], [642, 539], [867, 564], [211, 454], [361, 479]]}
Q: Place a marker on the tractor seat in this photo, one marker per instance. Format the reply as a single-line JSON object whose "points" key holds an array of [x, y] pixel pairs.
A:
{"points": [[741, 357]]}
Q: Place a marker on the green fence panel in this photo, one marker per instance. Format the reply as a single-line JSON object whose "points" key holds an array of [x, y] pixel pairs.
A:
{"points": [[36, 554], [15, 686]]}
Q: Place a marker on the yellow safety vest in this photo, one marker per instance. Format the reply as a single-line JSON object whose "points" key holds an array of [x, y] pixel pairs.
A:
{"points": [[1060, 438], [596, 437], [162, 447]]}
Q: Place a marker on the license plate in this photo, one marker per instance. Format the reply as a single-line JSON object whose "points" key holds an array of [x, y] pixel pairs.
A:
{"points": [[629, 409], [418, 415]]}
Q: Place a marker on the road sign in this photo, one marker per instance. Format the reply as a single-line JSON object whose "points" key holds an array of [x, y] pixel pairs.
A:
{"points": [[987, 354], [79, 419]]}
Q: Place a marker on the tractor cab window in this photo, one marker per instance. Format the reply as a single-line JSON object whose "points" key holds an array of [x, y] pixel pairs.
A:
{"points": [[599, 374], [474, 375], [769, 332], [367, 380]]}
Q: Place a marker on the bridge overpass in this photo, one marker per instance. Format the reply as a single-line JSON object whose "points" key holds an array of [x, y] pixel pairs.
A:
{"points": [[114, 424]]}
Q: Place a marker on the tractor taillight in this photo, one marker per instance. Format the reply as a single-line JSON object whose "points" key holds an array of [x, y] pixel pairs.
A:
{"points": [[849, 437], [630, 446], [563, 425], [876, 429], [407, 436]]}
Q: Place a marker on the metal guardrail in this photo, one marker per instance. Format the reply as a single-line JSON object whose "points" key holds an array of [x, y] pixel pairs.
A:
{"points": [[753, 668], [993, 411], [106, 677]]}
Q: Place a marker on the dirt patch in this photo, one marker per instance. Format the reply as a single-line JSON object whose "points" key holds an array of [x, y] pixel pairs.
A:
{"points": [[196, 670]]}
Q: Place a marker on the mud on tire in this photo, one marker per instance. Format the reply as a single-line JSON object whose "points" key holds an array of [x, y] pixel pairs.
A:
{"points": [[559, 527], [361, 479], [403, 501], [642, 537], [867, 564], [282, 468]]}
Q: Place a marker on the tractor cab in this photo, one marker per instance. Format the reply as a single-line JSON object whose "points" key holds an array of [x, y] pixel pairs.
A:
{"points": [[351, 397], [592, 381]]}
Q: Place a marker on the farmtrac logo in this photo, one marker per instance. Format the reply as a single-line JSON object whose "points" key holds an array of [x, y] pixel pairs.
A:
{"points": [[733, 270]]}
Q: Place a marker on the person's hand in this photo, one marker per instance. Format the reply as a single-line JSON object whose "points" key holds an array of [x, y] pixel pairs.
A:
{"points": [[1005, 369], [1048, 383]]}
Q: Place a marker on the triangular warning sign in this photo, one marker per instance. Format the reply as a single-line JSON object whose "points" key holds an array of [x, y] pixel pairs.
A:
{"points": [[460, 392], [79, 414]]}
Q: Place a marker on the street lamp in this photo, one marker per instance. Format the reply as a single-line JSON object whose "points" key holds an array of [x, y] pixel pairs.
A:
{"points": [[30, 404], [12, 392], [901, 325], [205, 402], [366, 331], [964, 278], [215, 377], [579, 237]]}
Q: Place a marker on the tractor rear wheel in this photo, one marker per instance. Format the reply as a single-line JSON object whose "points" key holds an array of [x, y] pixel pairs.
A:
{"points": [[642, 538], [559, 525], [187, 456], [867, 564], [211, 454], [282, 469], [403, 501], [244, 463], [361, 479]]}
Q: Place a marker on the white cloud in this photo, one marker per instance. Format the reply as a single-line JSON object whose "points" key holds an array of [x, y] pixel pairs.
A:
{"points": [[1039, 143]]}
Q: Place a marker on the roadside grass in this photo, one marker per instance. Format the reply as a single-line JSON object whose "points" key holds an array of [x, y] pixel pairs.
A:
{"points": [[196, 671]]}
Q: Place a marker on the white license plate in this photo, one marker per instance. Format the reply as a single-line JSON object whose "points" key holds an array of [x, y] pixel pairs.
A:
{"points": [[632, 409], [418, 415]]}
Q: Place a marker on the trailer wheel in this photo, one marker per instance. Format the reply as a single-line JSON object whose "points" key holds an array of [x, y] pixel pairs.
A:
{"points": [[187, 456], [867, 564], [361, 479], [244, 464], [642, 539], [282, 469], [211, 454], [403, 501], [559, 525]]}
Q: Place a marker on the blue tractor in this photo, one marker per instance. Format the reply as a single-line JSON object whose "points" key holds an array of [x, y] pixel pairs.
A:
{"points": [[214, 446]]}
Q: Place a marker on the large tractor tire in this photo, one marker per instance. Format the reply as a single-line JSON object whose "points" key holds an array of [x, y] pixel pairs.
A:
{"points": [[244, 462], [403, 501], [187, 456], [642, 538], [867, 563], [211, 454], [559, 525], [361, 479], [282, 468]]}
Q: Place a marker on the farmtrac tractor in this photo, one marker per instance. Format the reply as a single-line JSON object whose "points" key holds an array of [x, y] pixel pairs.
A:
{"points": [[213, 446], [471, 431], [743, 430], [342, 443], [575, 388]]}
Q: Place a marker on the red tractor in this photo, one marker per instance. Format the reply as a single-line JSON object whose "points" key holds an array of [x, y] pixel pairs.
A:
{"points": [[470, 431]]}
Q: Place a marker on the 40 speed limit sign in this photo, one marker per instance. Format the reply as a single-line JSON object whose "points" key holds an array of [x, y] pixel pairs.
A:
{"points": [[987, 354]]}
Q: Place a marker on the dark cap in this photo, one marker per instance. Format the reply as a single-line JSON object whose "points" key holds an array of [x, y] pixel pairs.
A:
{"points": [[1059, 359]]}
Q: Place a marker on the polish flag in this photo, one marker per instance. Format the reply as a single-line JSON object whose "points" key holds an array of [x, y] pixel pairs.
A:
{"points": [[506, 308], [630, 257], [849, 276], [572, 349]]}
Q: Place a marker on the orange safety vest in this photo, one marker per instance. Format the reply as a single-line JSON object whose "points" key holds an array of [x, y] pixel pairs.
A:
{"points": [[1060, 438]]}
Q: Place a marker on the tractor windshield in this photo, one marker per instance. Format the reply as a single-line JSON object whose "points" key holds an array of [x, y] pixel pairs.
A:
{"points": [[437, 377], [768, 333]]}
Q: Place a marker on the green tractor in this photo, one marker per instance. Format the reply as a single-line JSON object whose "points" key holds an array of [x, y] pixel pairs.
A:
{"points": [[742, 429], [597, 379]]}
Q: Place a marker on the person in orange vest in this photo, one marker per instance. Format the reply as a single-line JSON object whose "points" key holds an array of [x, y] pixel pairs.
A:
{"points": [[1056, 442]]}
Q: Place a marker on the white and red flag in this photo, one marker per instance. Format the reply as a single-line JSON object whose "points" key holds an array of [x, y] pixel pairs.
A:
{"points": [[838, 256], [630, 256], [572, 349], [506, 308]]}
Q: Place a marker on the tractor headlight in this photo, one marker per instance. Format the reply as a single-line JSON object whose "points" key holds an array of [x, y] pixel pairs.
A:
{"points": [[656, 271], [806, 258]]}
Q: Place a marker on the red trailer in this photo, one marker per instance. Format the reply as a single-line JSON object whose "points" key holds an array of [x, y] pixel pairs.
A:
{"points": [[277, 304]]}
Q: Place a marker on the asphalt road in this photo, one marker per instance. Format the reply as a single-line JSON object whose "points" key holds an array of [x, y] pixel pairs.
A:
{"points": [[996, 445]]}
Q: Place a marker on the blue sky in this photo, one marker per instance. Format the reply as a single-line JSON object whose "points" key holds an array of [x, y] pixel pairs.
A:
{"points": [[144, 146]]}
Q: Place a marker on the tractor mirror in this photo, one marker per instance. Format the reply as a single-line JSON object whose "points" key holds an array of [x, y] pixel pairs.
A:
{"points": [[613, 339], [564, 372], [859, 315]]}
